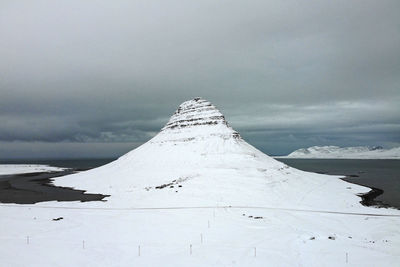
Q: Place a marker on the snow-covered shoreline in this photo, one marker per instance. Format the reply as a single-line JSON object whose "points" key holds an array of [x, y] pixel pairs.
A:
{"points": [[8, 169]]}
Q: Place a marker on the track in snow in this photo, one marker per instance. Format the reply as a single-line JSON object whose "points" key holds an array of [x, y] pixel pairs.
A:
{"points": [[206, 207]]}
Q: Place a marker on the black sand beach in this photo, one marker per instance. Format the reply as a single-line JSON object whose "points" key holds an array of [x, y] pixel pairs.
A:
{"points": [[36, 187]]}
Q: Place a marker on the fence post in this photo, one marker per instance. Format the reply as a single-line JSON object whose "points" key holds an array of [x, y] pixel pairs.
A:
{"points": [[208, 224], [347, 257], [83, 244], [139, 250], [27, 240], [255, 252], [201, 238], [190, 249]]}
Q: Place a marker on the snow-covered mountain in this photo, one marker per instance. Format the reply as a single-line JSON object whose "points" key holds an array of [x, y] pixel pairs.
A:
{"points": [[198, 195], [335, 152], [198, 159]]}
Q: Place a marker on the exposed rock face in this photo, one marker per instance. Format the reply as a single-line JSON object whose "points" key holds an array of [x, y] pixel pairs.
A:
{"points": [[195, 112], [199, 117]]}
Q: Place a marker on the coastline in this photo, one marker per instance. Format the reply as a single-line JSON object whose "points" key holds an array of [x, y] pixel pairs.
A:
{"points": [[32, 188], [369, 199]]}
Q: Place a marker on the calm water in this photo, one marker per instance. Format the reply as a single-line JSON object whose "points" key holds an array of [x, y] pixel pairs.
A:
{"points": [[383, 174]]}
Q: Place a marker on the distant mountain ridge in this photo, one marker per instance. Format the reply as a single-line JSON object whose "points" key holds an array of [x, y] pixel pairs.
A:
{"points": [[335, 152]]}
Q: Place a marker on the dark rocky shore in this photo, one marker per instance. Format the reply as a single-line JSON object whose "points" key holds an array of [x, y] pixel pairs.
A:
{"points": [[369, 198], [32, 188]]}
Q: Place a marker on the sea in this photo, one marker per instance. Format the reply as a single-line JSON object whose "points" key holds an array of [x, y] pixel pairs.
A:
{"points": [[382, 174]]}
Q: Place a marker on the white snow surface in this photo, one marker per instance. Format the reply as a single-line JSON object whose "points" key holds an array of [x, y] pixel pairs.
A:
{"points": [[198, 195], [7, 169], [335, 152]]}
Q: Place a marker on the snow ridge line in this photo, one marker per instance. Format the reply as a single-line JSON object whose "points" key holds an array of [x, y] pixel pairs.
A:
{"points": [[204, 207]]}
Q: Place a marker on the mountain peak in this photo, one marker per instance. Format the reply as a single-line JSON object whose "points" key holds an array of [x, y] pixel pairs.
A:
{"points": [[197, 114]]}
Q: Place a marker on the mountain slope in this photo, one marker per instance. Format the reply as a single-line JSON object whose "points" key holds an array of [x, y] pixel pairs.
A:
{"points": [[335, 152]]}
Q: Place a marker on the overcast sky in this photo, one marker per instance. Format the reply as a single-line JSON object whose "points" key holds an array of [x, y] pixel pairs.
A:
{"points": [[98, 78]]}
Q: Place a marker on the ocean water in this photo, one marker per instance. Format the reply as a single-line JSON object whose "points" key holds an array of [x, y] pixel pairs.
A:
{"points": [[382, 174]]}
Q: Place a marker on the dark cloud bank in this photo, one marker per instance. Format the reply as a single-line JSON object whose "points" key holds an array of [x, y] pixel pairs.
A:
{"points": [[96, 79]]}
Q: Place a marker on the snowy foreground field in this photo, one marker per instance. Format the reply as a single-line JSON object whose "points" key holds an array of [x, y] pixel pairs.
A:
{"points": [[219, 237], [198, 195]]}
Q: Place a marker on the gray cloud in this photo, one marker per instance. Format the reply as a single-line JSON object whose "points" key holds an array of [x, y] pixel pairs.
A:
{"points": [[285, 74]]}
